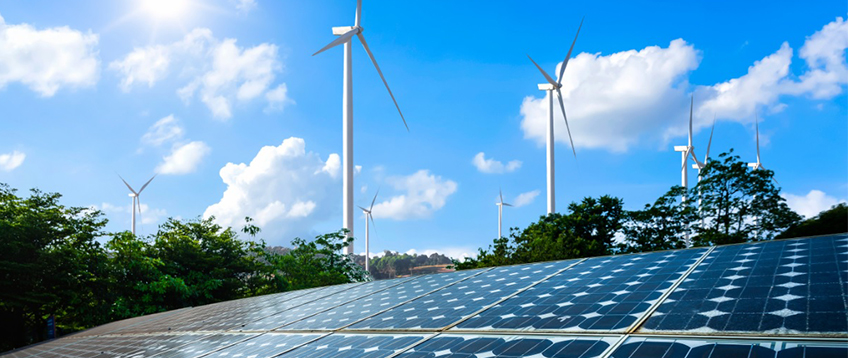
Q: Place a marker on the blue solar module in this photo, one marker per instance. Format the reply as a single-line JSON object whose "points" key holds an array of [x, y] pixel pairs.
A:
{"points": [[355, 345], [122, 346], [206, 345], [602, 294], [645, 347], [365, 307], [483, 346], [775, 287], [451, 304], [266, 345], [311, 304]]}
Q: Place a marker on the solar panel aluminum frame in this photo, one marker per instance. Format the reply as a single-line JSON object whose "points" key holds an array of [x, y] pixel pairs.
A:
{"points": [[606, 353]]}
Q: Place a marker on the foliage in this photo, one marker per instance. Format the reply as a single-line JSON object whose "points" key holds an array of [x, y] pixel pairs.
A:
{"points": [[316, 263], [662, 225], [830, 221], [393, 264], [50, 263], [738, 204]]}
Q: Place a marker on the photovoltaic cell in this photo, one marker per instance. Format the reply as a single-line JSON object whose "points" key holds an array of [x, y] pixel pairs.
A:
{"points": [[355, 345], [602, 294], [122, 346], [451, 304], [266, 345], [774, 287], [473, 346], [643, 347], [323, 304], [206, 345], [372, 304]]}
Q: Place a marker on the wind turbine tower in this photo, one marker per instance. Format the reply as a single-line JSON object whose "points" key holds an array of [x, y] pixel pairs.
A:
{"points": [[686, 152], [368, 216], [136, 201], [500, 205], [346, 34], [551, 87]]}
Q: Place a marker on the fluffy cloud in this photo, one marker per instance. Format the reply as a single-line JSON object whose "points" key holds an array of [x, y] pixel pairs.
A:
{"points": [[811, 204], [183, 159], [219, 72], [617, 98], [148, 215], [284, 188], [524, 199], [164, 130], [9, 162], [46, 60], [492, 166], [632, 97], [244, 5], [424, 193]]}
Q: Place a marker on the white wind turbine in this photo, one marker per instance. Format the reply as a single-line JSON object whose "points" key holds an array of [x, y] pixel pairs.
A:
{"points": [[368, 216], [758, 165], [688, 151], [136, 202], [700, 166], [550, 87], [346, 34], [500, 205]]}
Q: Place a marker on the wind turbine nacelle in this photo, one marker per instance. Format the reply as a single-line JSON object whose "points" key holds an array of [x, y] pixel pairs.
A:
{"points": [[546, 87], [132, 195], [341, 30], [681, 148]]}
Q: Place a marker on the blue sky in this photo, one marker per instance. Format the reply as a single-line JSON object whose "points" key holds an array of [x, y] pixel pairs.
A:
{"points": [[224, 100]]}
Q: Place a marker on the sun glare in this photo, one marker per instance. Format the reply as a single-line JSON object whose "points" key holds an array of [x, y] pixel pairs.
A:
{"points": [[165, 9]]}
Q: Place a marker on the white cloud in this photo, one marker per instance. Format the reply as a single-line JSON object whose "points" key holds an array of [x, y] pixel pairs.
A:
{"points": [[613, 100], [184, 158], [811, 204], [424, 194], [164, 130], [284, 188], [824, 53], [524, 199], [46, 60], [9, 162], [492, 166], [245, 5], [333, 165], [219, 72], [148, 215]]}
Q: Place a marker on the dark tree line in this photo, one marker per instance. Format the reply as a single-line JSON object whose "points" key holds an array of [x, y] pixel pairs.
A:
{"points": [[51, 263], [731, 204]]}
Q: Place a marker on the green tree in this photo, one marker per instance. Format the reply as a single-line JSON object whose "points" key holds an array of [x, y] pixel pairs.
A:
{"points": [[316, 263], [738, 204], [830, 221], [50, 263], [662, 225]]}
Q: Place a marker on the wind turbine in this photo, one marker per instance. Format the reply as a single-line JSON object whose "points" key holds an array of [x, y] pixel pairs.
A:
{"points": [[758, 165], [500, 205], [368, 216], [688, 151], [346, 34], [136, 202], [550, 87], [700, 166]]}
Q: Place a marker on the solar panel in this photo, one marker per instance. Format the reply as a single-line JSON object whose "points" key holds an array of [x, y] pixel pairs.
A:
{"points": [[775, 287], [319, 305], [636, 347], [206, 345], [511, 346], [355, 345], [370, 305], [451, 304], [602, 294], [123, 346], [266, 345]]}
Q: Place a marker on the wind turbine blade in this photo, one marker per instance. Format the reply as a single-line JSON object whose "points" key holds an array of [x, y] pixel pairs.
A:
{"points": [[342, 39], [562, 107], [505, 204], [691, 106], [548, 78], [568, 56], [138, 200], [363, 209], [757, 126], [127, 184], [706, 158], [358, 12], [695, 158], [373, 224], [145, 184], [373, 60], [500, 193], [373, 200], [685, 158]]}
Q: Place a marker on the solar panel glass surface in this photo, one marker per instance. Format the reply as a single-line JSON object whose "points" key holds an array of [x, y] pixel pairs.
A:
{"points": [[642, 347], [355, 345], [266, 345], [480, 346]]}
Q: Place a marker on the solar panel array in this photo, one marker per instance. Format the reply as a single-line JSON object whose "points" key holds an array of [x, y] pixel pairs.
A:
{"points": [[777, 299]]}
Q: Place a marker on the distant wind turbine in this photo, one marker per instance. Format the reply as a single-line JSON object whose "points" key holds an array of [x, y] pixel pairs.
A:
{"points": [[500, 205], [136, 201], [346, 34], [700, 166], [550, 87], [368, 216], [758, 165], [688, 151]]}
